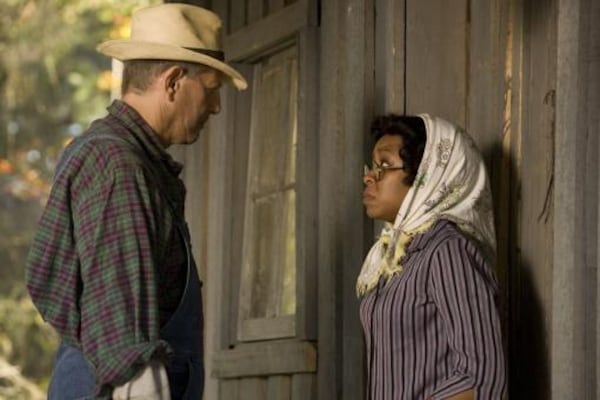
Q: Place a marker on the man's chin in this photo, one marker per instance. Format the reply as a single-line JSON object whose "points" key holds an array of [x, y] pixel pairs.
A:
{"points": [[192, 137]]}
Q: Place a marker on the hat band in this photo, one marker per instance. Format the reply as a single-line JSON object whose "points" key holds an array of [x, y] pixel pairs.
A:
{"points": [[219, 55]]}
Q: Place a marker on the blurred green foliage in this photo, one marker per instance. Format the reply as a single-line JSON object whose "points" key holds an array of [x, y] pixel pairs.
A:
{"points": [[24, 337], [52, 85], [52, 81]]}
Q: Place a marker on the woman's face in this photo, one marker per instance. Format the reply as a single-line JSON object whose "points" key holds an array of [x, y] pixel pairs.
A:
{"points": [[382, 198]]}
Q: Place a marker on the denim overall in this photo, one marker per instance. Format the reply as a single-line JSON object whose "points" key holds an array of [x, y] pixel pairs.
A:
{"points": [[73, 375]]}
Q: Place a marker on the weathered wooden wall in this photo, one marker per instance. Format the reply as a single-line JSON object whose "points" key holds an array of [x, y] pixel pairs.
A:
{"points": [[575, 339], [523, 77]]}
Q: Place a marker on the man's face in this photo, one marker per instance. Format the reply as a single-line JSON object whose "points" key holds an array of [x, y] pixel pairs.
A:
{"points": [[197, 99]]}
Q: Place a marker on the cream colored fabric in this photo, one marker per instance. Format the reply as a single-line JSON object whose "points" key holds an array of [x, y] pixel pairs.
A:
{"points": [[151, 383], [451, 184], [170, 32]]}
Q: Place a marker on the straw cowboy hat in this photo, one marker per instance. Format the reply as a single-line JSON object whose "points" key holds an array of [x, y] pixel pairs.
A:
{"points": [[178, 32]]}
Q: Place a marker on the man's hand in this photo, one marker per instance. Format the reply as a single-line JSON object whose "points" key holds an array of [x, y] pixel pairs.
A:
{"points": [[150, 384], [468, 395]]}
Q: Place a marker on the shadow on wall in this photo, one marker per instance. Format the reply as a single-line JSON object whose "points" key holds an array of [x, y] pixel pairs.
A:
{"points": [[526, 337], [529, 342]]}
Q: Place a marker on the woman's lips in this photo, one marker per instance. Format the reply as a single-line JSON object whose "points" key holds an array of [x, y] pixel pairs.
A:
{"points": [[368, 196]]}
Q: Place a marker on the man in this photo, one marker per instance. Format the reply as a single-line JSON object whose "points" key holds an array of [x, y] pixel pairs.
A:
{"points": [[110, 267]]}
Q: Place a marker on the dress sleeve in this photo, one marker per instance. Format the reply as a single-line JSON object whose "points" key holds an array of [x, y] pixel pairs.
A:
{"points": [[117, 223], [464, 291]]}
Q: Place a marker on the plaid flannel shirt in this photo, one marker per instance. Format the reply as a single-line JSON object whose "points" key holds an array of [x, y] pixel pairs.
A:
{"points": [[107, 265]]}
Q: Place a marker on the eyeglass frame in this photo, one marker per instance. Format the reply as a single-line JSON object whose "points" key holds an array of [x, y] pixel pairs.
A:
{"points": [[377, 170]]}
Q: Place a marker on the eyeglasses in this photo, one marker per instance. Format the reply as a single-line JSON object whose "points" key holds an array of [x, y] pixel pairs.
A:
{"points": [[378, 170]]}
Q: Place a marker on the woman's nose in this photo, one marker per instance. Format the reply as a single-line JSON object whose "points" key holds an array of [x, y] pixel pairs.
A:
{"points": [[368, 178]]}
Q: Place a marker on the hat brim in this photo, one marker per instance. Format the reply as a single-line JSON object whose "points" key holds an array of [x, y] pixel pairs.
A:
{"points": [[126, 49]]}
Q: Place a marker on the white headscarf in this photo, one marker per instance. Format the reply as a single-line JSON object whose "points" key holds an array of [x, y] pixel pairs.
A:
{"points": [[451, 183]]}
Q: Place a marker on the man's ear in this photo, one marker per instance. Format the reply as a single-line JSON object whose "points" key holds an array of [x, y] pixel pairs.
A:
{"points": [[171, 81]]}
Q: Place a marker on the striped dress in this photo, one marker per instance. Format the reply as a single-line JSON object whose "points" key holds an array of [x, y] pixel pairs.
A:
{"points": [[433, 330]]}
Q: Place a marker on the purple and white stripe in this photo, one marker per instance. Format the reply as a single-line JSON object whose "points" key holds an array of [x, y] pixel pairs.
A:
{"points": [[433, 330]]}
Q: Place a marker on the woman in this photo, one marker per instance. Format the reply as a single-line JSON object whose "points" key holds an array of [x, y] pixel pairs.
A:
{"points": [[427, 287]]}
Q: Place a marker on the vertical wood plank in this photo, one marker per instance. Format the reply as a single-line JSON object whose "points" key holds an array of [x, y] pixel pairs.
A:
{"points": [[313, 11], [217, 293], [532, 279], [436, 58], [303, 387], [593, 124], [229, 389], [389, 44], [330, 137], [275, 5], [197, 164], [575, 273], [344, 110], [237, 14], [487, 46], [255, 10], [221, 7], [279, 388], [307, 164], [238, 162], [508, 200], [253, 388], [357, 108]]}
